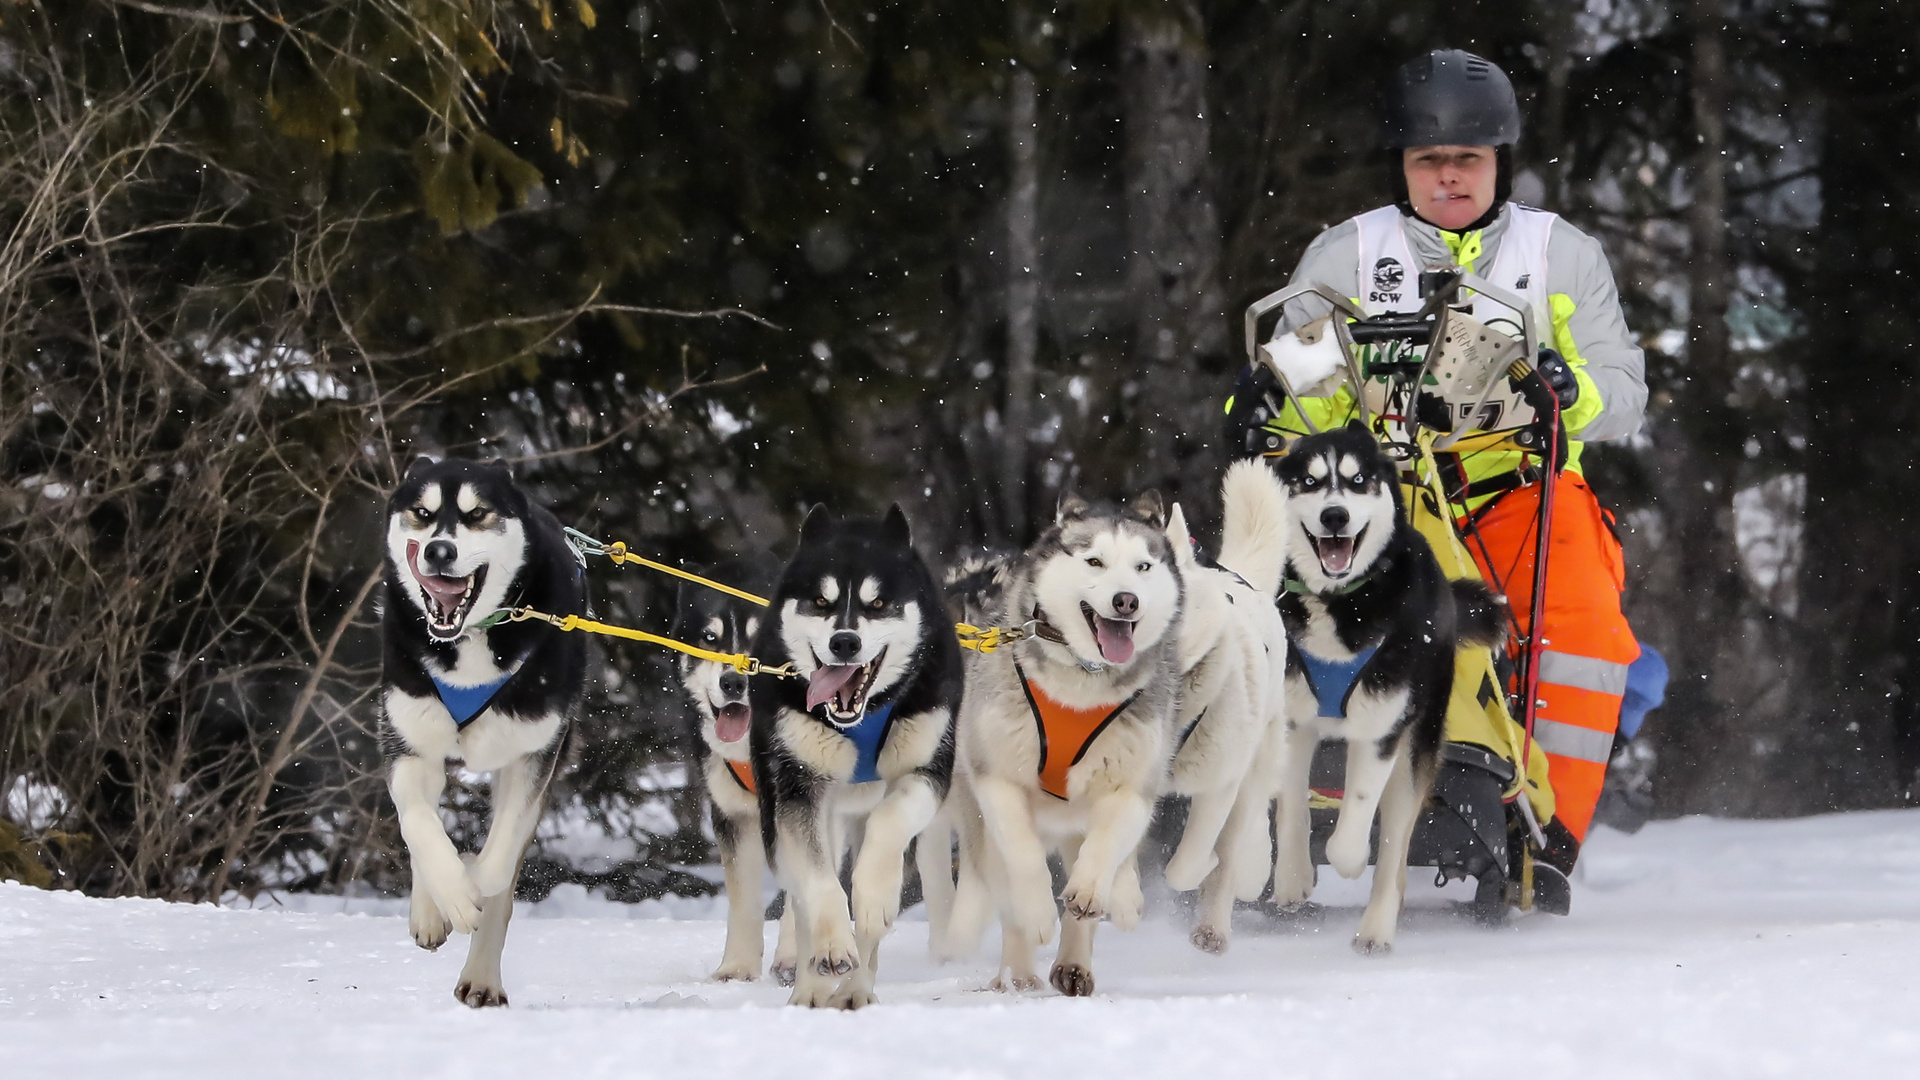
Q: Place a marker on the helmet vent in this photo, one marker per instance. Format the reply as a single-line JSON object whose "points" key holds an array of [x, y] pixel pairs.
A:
{"points": [[1477, 68]]}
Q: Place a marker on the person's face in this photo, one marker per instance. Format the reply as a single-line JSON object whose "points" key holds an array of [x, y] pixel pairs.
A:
{"points": [[1450, 186]]}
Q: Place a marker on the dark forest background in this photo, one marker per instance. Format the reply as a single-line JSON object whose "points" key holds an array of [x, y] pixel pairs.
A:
{"points": [[693, 265]]}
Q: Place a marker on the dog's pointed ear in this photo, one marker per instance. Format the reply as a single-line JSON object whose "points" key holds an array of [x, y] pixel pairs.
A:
{"points": [[895, 529], [1149, 508], [499, 466], [1179, 537], [419, 462], [1355, 424], [819, 521], [1069, 506]]}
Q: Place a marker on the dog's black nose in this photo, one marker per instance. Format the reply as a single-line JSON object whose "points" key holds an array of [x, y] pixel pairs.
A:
{"points": [[1125, 605], [1334, 519], [440, 555], [844, 646], [733, 686]]}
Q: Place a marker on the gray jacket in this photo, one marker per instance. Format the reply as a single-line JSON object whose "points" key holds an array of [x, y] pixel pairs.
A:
{"points": [[1576, 266]]}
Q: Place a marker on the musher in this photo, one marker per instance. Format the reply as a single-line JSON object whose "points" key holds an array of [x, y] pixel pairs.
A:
{"points": [[1451, 122]]}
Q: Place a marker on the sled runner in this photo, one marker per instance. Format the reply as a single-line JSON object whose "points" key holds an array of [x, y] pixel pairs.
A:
{"points": [[1451, 380]]}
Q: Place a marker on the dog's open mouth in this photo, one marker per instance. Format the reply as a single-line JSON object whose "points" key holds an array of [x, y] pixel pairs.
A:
{"points": [[448, 599], [1336, 552], [843, 688], [1113, 636], [730, 721]]}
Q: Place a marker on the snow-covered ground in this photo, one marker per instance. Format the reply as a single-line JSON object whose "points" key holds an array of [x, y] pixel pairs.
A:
{"points": [[1697, 948]]}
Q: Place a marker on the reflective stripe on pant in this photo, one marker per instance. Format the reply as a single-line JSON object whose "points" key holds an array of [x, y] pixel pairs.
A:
{"points": [[1586, 644]]}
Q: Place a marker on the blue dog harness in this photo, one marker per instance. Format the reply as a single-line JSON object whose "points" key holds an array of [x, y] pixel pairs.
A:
{"points": [[466, 702], [1332, 680], [869, 734]]}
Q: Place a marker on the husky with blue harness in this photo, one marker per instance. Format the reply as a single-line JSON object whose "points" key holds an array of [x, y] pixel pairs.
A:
{"points": [[464, 545], [859, 736], [1374, 624]]}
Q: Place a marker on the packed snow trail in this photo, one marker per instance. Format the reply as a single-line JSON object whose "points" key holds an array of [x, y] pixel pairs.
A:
{"points": [[1697, 948]]}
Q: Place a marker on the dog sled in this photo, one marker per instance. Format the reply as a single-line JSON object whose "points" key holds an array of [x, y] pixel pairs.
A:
{"points": [[1444, 381]]}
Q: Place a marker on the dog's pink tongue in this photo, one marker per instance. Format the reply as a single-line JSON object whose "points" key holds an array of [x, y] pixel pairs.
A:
{"points": [[447, 591], [730, 723], [1115, 639], [827, 681], [1336, 554]]}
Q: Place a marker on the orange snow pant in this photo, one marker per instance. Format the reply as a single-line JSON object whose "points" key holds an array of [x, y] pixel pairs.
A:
{"points": [[1585, 642]]}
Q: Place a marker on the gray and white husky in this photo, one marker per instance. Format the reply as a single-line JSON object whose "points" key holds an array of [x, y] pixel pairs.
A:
{"points": [[1066, 736], [1233, 654], [1374, 624], [719, 622], [463, 545], [863, 737]]}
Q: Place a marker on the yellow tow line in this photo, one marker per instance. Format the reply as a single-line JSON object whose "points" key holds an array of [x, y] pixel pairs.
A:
{"points": [[979, 639]]}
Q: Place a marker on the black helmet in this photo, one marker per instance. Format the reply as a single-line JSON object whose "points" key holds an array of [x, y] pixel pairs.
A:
{"points": [[1450, 98]]}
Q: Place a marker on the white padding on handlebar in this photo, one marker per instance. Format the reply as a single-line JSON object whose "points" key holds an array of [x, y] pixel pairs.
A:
{"points": [[1305, 364]]}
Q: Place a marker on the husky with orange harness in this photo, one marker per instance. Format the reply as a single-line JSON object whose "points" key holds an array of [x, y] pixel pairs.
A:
{"points": [[862, 738], [1066, 735], [1374, 624], [721, 623]]}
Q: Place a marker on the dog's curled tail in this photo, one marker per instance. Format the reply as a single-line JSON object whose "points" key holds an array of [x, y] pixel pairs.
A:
{"points": [[1479, 614], [1253, 543]]}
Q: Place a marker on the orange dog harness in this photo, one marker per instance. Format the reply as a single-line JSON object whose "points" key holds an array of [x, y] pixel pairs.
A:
{"points": [[1065, 733], [742, 773]]}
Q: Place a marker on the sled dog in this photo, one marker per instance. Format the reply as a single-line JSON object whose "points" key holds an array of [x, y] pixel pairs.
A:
{"points": [[1233, 650], [1066, 735], [1374, 624], [863, 735], [719, 622], [464, 544]]}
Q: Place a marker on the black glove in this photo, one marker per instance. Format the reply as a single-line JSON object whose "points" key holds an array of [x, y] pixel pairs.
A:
{"points": [[1559, 378], [1252, 423]]}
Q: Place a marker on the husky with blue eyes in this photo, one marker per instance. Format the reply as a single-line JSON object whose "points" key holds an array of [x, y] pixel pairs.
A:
{"points": [[465, 545], [1374, 624], [860, 737]]}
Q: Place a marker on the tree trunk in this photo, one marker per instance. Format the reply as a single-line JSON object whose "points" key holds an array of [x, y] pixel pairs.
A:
{"points": [[1174, 234], [1023, 297]]}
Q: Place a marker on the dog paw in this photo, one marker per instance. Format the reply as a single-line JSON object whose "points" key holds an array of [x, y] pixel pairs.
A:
{"points": [[428, 926], [873, 916], [1186, 871], [835, 954], [814, 994], [850, 998], [736, 971], [1368, 945], [477, 995], [455, 894], [1347, 854], [1209, 940], [1083, 902], [1072, 980], [1292, 884], [1008, 982], [784, 971]]}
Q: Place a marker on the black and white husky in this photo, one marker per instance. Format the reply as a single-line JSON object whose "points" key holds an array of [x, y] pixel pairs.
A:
{"points": [[1374, 624], [1066, 736], [862, 736], [464, 544], [719, 622]]}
